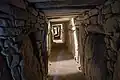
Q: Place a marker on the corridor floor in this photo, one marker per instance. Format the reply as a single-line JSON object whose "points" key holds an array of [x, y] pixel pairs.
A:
{"points": [[62, 65]]}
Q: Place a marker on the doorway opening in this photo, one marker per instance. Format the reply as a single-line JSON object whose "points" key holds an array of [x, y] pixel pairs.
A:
{"points": [[57, 32]]}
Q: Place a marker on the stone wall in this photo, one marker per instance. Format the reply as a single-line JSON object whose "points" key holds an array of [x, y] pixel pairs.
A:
{"points": [[99, 41], [32, 68], [111, 13], [92, 46], [22, 43]]}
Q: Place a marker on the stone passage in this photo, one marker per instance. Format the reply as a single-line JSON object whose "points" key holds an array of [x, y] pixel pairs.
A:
{"points": [[21, 57], [62, 65], [99, 40]]}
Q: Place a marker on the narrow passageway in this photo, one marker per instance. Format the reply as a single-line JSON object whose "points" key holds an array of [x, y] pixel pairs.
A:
{"points": [[62, 65], [59, 39]]}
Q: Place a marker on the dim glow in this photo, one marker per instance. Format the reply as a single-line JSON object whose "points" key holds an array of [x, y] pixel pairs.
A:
{"points": [[61, 40], [58, 41], [73, 28]]}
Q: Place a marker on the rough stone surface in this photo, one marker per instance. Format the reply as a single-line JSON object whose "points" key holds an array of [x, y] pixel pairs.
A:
{"points": [[22, 54], [94, 20], [107, 9], [92, 46], [111, 22], [93, 12], [108, 41], [116, 7], [31, 62], [95, 29]]}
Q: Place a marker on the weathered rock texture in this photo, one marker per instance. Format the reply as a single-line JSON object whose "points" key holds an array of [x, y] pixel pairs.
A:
{"points": [[99, 34], [22, 43]]}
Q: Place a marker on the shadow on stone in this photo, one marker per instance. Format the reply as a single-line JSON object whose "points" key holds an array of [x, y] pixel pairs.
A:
{"points": [[75, 76]]}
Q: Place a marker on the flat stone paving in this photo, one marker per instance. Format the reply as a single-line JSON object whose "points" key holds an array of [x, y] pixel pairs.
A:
{"points": [[62, 66]]}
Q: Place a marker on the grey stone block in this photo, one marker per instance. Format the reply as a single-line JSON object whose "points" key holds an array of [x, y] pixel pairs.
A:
{"points": [[87, 21], [18, 3], [107, 9], [108, 2], [33, 18], [41, 21], [110, 25], [93, 12], [77, 23], [39, 45], [5, 16], [80, 17], [5, 8], [38, 35], [2, 32], [15, 61], [116, 75], [93, 20], [37, 25], [34, 12], [19, 23], [116, 7], [107, 16], [3, 22], [95, 29], [20, 14]]}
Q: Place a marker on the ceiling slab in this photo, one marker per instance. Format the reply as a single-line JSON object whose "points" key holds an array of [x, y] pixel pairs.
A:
{"points": [[51, 4], [63, 12], [44, 0], [60, 20], [71, 1], [63, 6], [58, 8], [66, 2]]}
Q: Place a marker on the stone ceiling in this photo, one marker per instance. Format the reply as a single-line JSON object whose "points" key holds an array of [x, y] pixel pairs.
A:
{"points": [[64, 7], [51, 4]]}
